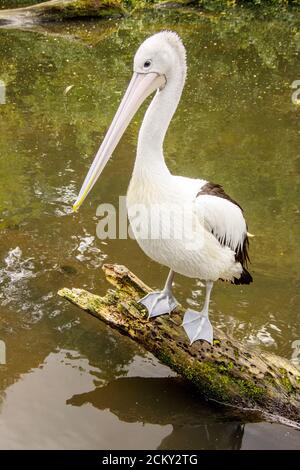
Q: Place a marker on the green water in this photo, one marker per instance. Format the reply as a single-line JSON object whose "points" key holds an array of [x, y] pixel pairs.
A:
{"points": [[69, 379]]}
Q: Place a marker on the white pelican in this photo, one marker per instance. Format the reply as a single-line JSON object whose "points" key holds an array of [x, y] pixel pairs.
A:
{"points": [[215, 244]]}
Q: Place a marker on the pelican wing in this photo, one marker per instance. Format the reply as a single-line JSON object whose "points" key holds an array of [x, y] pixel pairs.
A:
{"points": [[223, 217]]}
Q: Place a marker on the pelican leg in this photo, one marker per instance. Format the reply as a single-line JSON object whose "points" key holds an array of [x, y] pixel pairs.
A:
{"points": [[160, 302], [197, 324]]}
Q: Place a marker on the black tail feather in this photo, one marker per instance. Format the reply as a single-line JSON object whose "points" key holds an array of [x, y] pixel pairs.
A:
{"points": [[245, 278]]}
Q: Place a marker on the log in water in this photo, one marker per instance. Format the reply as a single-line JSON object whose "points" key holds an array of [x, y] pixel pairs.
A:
{"points": [[228, 371], [54, 10]]}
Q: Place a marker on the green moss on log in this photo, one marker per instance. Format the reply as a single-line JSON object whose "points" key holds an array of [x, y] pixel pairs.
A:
{"points": [[211, 5], [90, 8]]}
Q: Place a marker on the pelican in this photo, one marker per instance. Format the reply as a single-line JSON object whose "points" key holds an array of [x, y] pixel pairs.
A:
{"points": [[207, 239]]}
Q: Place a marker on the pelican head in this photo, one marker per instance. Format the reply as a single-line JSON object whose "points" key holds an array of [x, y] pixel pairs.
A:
{"points": [[155, 63]]}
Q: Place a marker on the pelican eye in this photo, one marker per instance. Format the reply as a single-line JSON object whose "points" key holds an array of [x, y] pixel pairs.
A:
{"points": [[147, 64]]}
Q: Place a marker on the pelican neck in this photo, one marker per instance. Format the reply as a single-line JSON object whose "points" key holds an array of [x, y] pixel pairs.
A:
{"points": [[155, 124]]}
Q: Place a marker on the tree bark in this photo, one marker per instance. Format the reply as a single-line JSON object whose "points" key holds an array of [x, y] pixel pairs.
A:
{"points": [[227, 372], [54, 10]]}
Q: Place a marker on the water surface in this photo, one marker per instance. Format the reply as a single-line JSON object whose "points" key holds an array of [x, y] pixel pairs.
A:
{"points": [[69, 379]]}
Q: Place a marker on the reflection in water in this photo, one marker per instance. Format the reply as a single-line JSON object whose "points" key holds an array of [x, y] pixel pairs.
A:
{"points": [[37, 401], [236, 124], [166, 401]]}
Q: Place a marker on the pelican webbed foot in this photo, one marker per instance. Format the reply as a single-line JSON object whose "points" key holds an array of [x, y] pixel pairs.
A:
{"points": [[197, 326], [159, 302]]}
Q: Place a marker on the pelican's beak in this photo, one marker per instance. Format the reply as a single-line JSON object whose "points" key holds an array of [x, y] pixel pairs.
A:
{"points": [[139, 88]]}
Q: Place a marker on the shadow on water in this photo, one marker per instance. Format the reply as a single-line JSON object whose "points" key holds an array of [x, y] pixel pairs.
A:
{"points": [[196, 423], [163, 401]]}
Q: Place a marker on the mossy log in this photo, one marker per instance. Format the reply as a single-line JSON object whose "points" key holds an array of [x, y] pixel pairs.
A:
{"points": [[54, 10], [228, 372]]}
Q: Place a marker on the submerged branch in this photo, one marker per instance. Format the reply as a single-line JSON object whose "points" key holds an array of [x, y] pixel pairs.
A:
{"points": [[54, 10], [228, 371], [57, 10]]}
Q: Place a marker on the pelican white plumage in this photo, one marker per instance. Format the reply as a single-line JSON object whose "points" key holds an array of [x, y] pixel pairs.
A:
{"points": [[209, 239]]}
